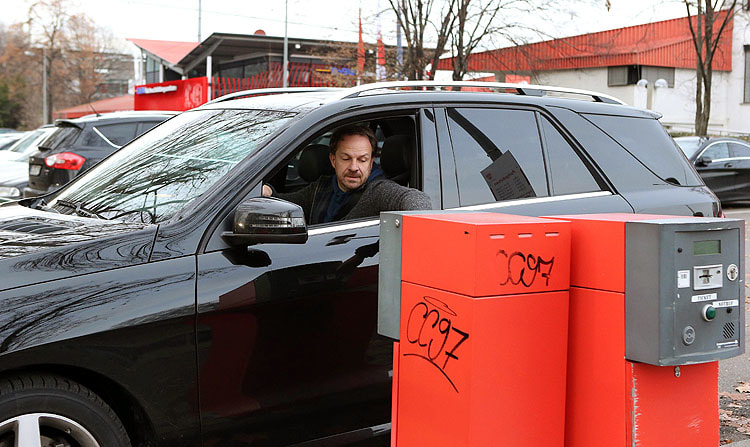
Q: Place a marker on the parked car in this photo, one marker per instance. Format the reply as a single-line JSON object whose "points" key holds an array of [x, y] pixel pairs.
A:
{"points": [[14, 165], [139, 308], [81, 143], [8, 139], [723, 163]]}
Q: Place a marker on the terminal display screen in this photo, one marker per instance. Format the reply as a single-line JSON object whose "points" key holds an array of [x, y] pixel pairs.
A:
{"points": [[706, 247]]}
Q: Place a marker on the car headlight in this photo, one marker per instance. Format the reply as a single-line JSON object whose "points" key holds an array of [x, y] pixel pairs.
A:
{"points": [[10, 191]]}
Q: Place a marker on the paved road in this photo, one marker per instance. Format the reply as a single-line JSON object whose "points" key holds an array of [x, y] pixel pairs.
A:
{"points": [[735, 410]]}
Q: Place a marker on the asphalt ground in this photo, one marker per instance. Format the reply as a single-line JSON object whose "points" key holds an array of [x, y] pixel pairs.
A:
{"points": [[734, 373]]}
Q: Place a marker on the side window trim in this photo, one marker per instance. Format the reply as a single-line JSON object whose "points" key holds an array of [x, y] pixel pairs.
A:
{"points": [[516, 202], [709, 147], [104, 137]]}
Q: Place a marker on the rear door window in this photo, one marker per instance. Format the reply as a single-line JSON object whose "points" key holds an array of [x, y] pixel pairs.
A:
{"points": [[740, 150], [647, 141], [568, 174], [498, 155]]}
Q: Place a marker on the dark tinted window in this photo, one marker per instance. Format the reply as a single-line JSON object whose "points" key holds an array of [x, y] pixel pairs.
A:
{"points": [[716, 151], [648, 142], [148, 125], [568, 174], [119, 134], [739, 150], [498, 155], [109, 135], [61, 137]]}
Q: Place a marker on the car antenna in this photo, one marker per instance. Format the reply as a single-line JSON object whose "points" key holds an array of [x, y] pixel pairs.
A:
{"points": [[95, 112]]}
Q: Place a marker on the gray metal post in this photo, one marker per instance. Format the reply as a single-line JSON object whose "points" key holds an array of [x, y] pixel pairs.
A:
{"points": [[286, 46]]}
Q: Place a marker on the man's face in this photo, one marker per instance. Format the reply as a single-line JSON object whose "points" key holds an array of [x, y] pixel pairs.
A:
{"points": [[352, 161]]}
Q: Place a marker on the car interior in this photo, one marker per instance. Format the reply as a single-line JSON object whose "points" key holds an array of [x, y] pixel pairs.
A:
{"points": [[396, 156]]}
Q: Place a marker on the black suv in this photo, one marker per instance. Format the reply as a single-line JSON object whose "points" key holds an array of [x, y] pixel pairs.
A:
{"points": [[159, 299], [80, 143]]}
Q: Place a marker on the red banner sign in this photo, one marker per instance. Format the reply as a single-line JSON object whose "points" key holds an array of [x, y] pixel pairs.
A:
{"points": [[172, 95]]}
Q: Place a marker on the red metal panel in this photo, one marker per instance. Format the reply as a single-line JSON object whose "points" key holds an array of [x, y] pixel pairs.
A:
{"points": [[490, 254]]}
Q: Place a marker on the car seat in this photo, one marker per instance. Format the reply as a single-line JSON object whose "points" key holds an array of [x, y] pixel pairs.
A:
{"points": [[396, 158], [314, 162]]}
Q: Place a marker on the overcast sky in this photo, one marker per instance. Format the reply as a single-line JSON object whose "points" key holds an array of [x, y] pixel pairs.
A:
{"points": [[322, 19]]}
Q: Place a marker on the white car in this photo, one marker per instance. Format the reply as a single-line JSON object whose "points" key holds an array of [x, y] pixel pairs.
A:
{"points": [[14, 166]]}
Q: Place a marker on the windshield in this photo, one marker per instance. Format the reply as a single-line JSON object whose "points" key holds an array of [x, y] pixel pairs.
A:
{"points": [[156, 175], [26, 144], [689, 145]]}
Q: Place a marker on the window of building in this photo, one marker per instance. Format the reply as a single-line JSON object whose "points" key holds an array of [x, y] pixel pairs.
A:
{"points": [[152, 71], [631, 74]]}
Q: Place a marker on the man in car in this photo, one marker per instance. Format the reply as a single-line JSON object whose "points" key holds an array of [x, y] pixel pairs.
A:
{"points": [[357, 190]]}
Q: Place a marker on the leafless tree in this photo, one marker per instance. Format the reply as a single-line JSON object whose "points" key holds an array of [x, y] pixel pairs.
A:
{"points": [[420, 21], [708, 19]]}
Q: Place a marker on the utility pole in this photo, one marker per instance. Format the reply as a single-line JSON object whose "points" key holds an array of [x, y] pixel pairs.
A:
{"points": [[44, 85], [199, 21], [286, 45]]}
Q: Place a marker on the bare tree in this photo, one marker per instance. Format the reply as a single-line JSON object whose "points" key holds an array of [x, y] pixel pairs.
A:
{"points": [[708, 19], [47, 19], [417, 19]]}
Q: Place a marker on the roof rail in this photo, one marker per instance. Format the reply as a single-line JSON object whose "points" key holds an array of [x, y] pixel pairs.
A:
{"points": [[518, 89], [269, 91]]}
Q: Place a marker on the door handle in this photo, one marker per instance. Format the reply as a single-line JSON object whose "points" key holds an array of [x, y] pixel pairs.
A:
{"points": [[728, 165]]}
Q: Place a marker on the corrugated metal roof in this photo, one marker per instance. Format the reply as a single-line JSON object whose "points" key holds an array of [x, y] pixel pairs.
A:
{"points": [[663, 44]]}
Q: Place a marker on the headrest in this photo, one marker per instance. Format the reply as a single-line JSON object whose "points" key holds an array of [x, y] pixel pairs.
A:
{"points": [[314, 162], [396, 154]]}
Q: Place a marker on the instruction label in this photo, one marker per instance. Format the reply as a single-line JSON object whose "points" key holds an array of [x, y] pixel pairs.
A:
{"points": [[704, 297]]}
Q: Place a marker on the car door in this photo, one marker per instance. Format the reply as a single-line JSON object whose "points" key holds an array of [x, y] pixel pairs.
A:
{"points": [[519, 161], [719, 174], [287, 345], [740, 161]]}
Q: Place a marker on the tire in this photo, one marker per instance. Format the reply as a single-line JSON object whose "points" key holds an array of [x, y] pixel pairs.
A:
{"points": [[40, 410]]}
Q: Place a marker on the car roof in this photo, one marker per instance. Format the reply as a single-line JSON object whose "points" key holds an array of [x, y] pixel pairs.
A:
{"points": [[124, 116], [305, 99]]}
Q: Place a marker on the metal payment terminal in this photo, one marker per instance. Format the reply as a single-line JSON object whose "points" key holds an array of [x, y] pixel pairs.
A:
{"points": [[684, 290]]}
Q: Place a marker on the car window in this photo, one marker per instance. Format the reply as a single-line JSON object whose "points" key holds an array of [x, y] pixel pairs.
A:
{"points": [[498, 155], [157, 175], [26, 144], [568, 174], [716, 151], [62, 136], [146, 126], [109, 135], [648, 141], [739, 150]]}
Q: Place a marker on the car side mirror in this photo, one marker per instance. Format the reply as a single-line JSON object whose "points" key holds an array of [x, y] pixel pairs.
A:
{"points": [[703, 161], [266, 219]]}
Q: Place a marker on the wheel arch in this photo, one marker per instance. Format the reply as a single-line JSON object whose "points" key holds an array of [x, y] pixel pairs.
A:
{"points": [[127, 408]]}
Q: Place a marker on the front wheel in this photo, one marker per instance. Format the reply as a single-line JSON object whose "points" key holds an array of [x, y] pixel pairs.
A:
{"points": [[45, 411]]}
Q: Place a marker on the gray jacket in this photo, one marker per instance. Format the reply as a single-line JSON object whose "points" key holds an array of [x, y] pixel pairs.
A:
{"points": [[379, 194]]}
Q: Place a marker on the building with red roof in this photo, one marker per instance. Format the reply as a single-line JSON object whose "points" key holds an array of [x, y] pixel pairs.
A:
{"points": [[614, 61]]}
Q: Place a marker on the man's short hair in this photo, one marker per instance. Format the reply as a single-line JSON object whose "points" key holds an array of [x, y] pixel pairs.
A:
{"points": [[352, 129]]}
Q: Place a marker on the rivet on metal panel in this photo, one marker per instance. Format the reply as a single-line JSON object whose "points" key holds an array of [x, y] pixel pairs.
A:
{"points": [[677, 371]]}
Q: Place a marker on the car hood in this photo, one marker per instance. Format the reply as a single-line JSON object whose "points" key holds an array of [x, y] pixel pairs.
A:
{"points": [[37, 246]]}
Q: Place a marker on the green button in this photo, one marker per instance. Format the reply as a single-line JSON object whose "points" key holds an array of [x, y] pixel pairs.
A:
{"points": [[709, 313]]}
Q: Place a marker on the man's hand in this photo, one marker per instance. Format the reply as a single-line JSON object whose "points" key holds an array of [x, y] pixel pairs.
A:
{"points": [[267, 191]]}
